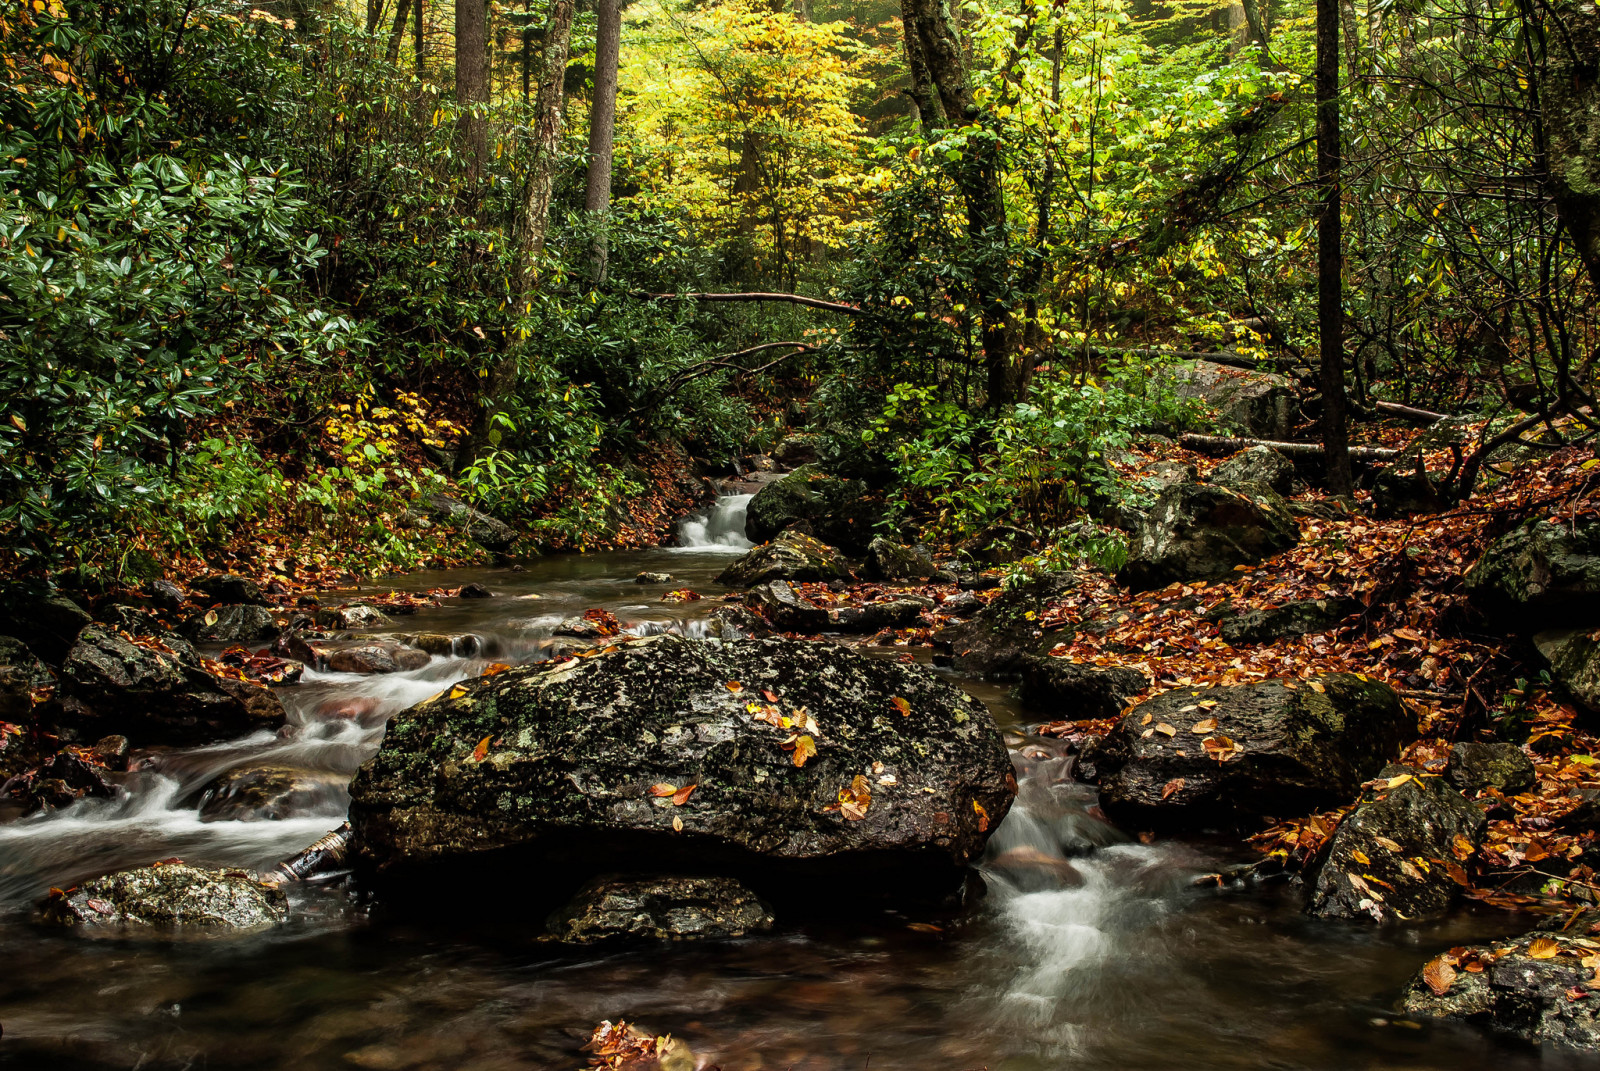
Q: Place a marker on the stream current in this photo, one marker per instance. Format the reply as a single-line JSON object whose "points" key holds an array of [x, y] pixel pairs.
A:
{"points": [[1091, 950]]}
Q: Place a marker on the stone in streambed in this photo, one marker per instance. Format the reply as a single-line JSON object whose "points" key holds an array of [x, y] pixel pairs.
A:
{"points": [[653, 578], [1386, 861], [1075, 690], [876, 616], [231, 588], [271, 792], [786, 609], [736, 623], [168, 899], [357, 615], [1202, 532], [377, 658], [578, 758], [49, 624], [1297, 618], [807, 501], [231, 624], [891, 562], [446, 645], [1273, 750], [789, 556], [661, 908], [995, 640], [1474, 766]]}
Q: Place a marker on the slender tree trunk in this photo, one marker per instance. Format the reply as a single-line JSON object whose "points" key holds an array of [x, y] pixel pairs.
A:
{"points": [[1256, 19], [419, 36], [1330, 264], [602, 133], [1566, 97], [472, 80], [397, 31], [548, 122], [374, 14]]}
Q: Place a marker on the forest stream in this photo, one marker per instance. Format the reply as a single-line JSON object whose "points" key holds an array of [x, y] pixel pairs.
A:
{"points": [[1089, 950]]}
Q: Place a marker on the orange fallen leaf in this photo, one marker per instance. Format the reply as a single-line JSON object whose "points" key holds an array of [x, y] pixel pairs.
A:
{"points": [[1440, 974], [1171, 786], [769, 695], [734, 687], [983, 817], [902, 706], [662, 788], [481, 752], [1206, 726], [680, 797], [1543, 948], [804, 748]]}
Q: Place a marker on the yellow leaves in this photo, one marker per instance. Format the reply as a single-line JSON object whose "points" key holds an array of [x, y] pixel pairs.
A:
{"points": [[1360, 856], [854, 800], [1317, 686], [983, 816], [662, 789], [1543, 948], [901, 705], [1165, 730], [804, 748], [1220, 747]]}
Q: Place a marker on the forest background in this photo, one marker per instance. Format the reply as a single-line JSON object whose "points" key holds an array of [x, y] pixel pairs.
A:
{"points": [[272, 271]]}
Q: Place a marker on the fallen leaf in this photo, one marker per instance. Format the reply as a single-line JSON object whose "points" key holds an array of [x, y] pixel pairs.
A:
{"points": [[924, 927], [1202, 727], [734, 686], [481, 752], [1171, 786], [983, 817], [1165, 730], [1391, 845], [662, 788], [902, 706], [804, 748], [680, 797], [1439, 974], [1460, 847], [211, 617], [494, 668], [1543, 948], [1317, 686], [677, 824], [769, 695], [1360, 857]]}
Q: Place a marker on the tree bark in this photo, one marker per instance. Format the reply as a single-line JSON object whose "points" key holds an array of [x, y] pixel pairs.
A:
{"points": [[397, 32], [1255, 19], [374, 14], [602, 134], [419, 37], [472, 81], [1567, 99], [549, 120], [1228, 444], [1330, 263]]}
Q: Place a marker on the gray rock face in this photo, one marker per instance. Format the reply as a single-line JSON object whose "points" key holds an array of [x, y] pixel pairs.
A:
{"points": [[486, 531], [229, 588], [889, 561], [661, 908], [1201, 531], [584, 760], [168, 899], [445, 644], [1574, 657], [20, 674], [1543, 575], [995, 639], [790, 556], [835, 511], [1385, 862], [231, 624], [356, 615], [377, 658], [1257, 403], [785, 609], [1291, 619], [1533, 997], [736, 623], [1259, 464], [157, 696], [876, 616], [1075, 690], [1205, 757], [1403, 494], [1475, 766]]}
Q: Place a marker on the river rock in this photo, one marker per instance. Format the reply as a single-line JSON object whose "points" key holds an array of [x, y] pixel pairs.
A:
{"points": [[1001, 544], [1574, 657], [889, 562], [488, 532], [231, 589], [63, 779], [1276, 748], [48, 624], [660, 908], [1295, 618], [1475, 766], [162, 594], [377, 658], [835, 511], [786, 609], [271, 792], [790, 556], [1201, 532], [1542, 575], [20, 674], [877, 616], [231, 624], [158, 695], [355, 615], [583, 760], [445, 644], [1257, 465], [1385, 862], [473, 590], [995, 639], [168, 899], [1534, 987], [736, 623], [653, 578], [1076, 691]]}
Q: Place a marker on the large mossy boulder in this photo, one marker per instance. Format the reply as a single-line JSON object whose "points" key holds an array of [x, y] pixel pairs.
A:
{"points": [[1257, 465], [1257, 403], [789, 556], [167, 899], [1539, 987], [157, 693], [1574, 657], [893, 562], [488, 532], [1386, 861], [1296, 618], [1475, 766], [666, 754], [1202, 532], [994, 640], [1542, 575], [1063, 689], [1198, 758], [839, 512], [661, 908]]}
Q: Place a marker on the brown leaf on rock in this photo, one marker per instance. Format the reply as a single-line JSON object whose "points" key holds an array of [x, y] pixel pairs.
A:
{"points": [[680, 797], [1440, 974], [902, 706], [1176, 784]]}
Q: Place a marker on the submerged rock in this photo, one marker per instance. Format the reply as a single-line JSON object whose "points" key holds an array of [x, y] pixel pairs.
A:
{"points": [[377, 658], [886, 777], [664, 907], [1201, 532], [1077, 690], [736, 623], [995, 639], [790, 556], [1387, 859], [271, 792], [168, 899], [1203, 757], [1295, 618], [1543, 575], [446, 645], [231, 624], [1474, 766], [1535, 987], [1257, 465]]}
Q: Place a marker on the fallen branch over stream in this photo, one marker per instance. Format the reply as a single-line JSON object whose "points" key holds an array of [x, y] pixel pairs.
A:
{"points": [[1214, 444]]}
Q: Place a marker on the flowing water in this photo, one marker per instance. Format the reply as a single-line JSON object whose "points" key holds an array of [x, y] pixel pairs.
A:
{"points": [[1090, 950]]}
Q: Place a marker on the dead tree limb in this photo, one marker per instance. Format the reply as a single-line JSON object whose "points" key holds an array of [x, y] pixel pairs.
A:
{"points": [[1407, 412], [792, 299], [1216, 444]]}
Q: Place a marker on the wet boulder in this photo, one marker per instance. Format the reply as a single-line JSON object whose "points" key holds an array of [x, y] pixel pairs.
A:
{"points": [[1198, 758], [1296, 618], [1574, 657], [1064, 689], [1257, 465], [21, 674], [157, 693], [838, 512], [666, 753], [1542, 575], [1397, 493], [1535, 987], [242, 623], [62, 780], [1475, 766], [162, 594], [445, 644], [660, 908], [352, 616], [377, 658], [488, 532], [1256, 403], [1202, 531], [49, 624], [473, 590], [877, 616], [785, 608], [995, 639], [231, 589], [1387, 860], [789, 556], [653, 578], [272, 792], [736, 623], [892, 562], [167, 899]]}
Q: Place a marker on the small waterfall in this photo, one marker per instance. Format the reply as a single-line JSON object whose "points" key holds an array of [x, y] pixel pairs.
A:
{"points": [[719, 528]]}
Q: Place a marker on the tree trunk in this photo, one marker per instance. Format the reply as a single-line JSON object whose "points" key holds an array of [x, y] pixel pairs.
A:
{"points": [[397, 32], [602, 133], [1567, 99], [1330, 265], [472, 81], [549, 119], [419, 37], [374, 15], [1255, 17]]}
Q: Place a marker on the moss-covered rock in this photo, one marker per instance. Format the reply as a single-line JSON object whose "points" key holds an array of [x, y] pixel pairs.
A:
{"points": [[1205, 757], [231, 589], [272, 792], [1574, 657], [994, 640], [876, 616], [661, 908], [244, 622], [1295, 618], [1259, 464], [1201, 532], [168, 899], [889, 561], [790, 556], [49, 624], [836, 511], [1474, 766], [785, 609], [1257, 403], [1542, 575], [1062, 689], [578, 769]]}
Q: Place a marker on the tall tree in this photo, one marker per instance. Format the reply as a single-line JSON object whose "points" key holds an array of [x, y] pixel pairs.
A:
{"points": [[419, 36], [397, 31], [1330, 254], [1566, 35], [472, 80], [549, 119], [602, 132]]}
